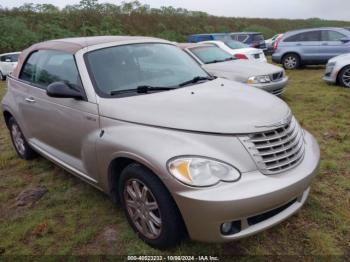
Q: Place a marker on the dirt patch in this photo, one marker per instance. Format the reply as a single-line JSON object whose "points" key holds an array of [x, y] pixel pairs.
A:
{"points": [[30, 196], [107, 243]]}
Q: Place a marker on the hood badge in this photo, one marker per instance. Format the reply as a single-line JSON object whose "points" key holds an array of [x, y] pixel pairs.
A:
{"points": [[282, 122]]}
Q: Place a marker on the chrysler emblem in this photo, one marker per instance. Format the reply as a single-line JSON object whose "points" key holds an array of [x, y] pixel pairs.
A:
{"points": [[282, 122]]}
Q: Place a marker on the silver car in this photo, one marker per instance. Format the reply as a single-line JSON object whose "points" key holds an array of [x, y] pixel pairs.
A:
{"points": [[311, 46], [338, 70], [219, 63], [182, 152]]}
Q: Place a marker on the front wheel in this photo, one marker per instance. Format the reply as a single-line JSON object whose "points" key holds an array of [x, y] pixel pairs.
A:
{"points": [[291, 61], [344, 77], [149, 208], [19, 142]]}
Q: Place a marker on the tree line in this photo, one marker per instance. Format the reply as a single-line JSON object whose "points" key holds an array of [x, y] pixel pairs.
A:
{"points": [[30, 23]]}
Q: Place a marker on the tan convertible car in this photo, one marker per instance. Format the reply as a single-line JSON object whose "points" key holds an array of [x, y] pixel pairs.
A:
{"points": [[183, 152]]}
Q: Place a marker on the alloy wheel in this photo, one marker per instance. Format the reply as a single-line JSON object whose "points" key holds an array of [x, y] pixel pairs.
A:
{"points": [[290, 62], [142, 208], [18, 139], [346, 77]]}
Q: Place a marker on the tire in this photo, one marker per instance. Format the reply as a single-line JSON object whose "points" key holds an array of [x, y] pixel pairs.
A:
{"points": [[344, 77], [19, 142], [160, 224], [291, 61]]}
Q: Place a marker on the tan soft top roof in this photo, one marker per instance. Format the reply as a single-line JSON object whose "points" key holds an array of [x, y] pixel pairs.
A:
{"points": [[74, 44], [192, 45]]}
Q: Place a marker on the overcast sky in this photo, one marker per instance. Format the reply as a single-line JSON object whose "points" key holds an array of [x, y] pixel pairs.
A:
{"points": [[326, 9]]}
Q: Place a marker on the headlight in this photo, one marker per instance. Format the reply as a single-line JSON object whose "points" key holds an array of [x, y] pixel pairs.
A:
{"points": [[331, 64], [259, 79], [202, 172]]}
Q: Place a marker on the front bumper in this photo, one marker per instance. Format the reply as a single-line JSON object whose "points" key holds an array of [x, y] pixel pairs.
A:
{"points": [[205, 210], [330, 75], [276, 88]]}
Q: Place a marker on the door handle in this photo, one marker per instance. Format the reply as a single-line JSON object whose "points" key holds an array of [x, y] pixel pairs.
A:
{"points": [[30, 99], [324, 43]]}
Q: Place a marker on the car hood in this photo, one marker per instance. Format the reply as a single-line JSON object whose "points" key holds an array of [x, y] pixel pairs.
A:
{"points": [[340, 57], [218, 106], [243, 68]]}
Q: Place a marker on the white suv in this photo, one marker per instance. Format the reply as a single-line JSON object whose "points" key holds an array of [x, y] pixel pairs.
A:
{"points": [[8, 62]]}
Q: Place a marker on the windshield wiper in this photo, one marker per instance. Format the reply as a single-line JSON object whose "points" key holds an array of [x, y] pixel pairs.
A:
{"points": [[196, 79], [215, 61], [220, 61], [142, 90], [230, 58]]}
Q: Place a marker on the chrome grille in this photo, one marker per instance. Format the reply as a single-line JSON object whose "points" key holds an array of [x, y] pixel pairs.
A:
{"points": [[276, 76], [278, 91], [277, 150]]}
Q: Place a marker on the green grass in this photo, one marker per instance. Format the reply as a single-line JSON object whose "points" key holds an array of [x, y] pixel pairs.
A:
{"points": [[69, 219]]}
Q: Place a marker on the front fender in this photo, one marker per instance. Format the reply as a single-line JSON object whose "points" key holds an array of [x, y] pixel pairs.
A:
{"points": [[154, 146]]}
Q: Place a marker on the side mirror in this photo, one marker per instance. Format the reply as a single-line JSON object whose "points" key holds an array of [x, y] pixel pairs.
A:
{"points": [[62, 90], [345, 40], [8, 60]]}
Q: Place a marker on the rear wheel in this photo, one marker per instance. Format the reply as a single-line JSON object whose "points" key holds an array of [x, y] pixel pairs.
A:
{"points": [[149, 208], [19, 142], [344, 77], [291, 61]]}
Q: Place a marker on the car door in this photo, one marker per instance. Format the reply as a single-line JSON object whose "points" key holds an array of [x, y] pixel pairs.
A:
{"points": [[64, 129], [309, 44], [332, 45]]}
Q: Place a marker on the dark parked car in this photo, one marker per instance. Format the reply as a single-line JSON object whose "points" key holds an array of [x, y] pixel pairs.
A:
{"points": [[253, 39], [207, 37], [311, 46]]}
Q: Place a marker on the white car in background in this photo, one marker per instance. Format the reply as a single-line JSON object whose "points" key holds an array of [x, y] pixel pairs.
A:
{"points": [[8, 62], [271, 42], [338, 70], [221, 64], [240, 50]]}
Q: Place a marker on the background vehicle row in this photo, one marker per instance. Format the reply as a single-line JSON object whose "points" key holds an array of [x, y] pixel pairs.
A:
{"points": [[219, 63], [311, 46]]}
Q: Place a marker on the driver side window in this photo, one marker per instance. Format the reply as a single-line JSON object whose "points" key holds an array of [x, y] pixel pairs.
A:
{"points": [[44, 67]]}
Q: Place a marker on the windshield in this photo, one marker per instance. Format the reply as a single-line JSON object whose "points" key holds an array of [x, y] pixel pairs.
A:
{"points": [[127, 67], [258, 38], [235, 44], [210, 54]]}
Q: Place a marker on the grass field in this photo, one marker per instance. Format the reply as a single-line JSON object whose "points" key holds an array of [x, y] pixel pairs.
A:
{"points": [[74, 218]]}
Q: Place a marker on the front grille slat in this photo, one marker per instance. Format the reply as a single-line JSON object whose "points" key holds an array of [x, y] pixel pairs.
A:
{"points": [[288, 130], [286, 161], [295, 150], [277, 150], [276, 76], [288, 165], [280, 142]]}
